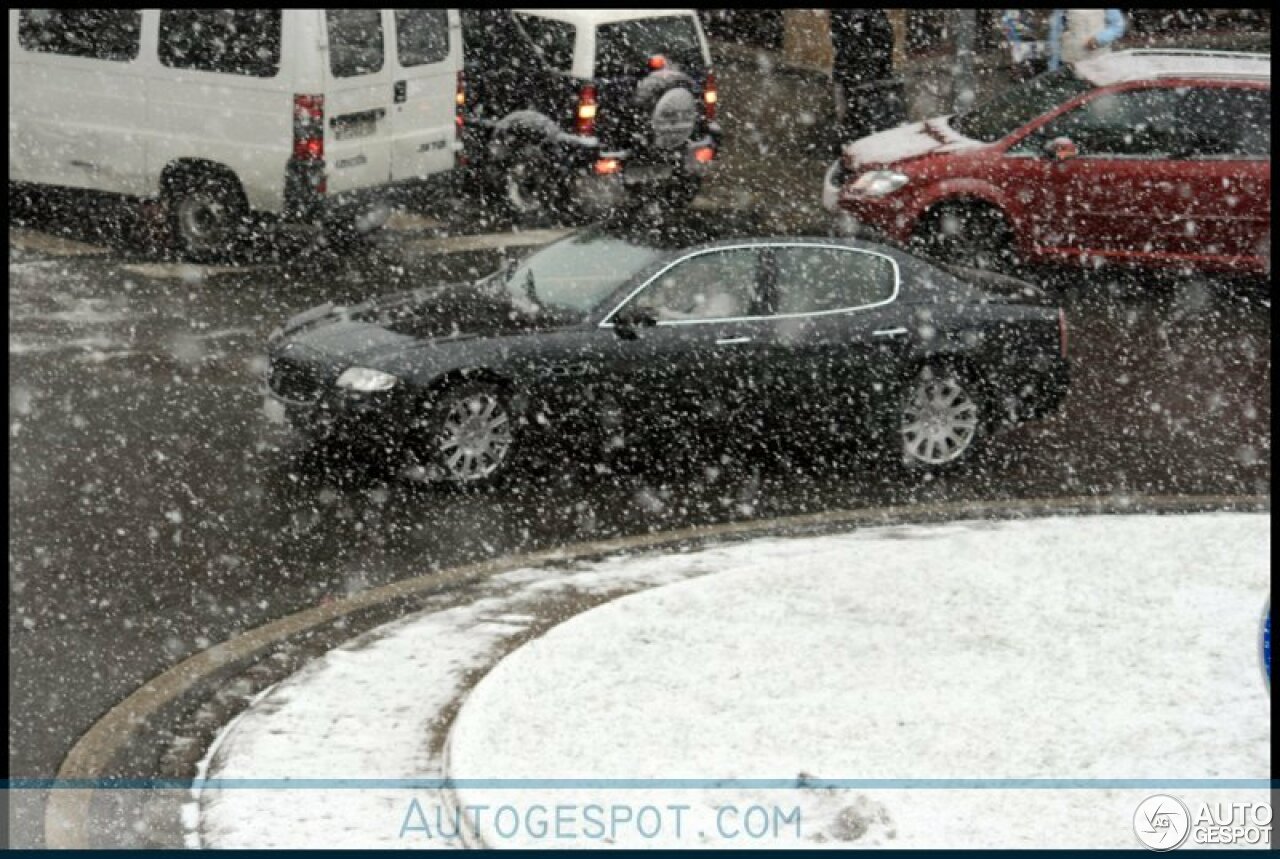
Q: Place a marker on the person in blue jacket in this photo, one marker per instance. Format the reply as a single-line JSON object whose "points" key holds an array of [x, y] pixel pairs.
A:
{"points": [[1077, 34]]}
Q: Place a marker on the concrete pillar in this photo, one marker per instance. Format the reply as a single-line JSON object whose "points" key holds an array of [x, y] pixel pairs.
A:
{"points": [[806, 39], [898, 19]]}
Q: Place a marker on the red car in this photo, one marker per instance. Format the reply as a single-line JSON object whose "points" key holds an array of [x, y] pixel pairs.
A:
{"points": [[1154, 158]]}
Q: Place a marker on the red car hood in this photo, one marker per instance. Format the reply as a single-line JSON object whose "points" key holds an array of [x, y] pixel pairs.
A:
{"points": [[906, 142]]}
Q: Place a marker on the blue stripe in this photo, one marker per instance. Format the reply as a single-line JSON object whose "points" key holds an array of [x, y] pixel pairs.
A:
{"points": [[645, 783]]}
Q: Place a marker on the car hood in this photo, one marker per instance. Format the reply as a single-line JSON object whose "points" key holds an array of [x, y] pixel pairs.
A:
{"points": [[907, 142], [404, 320]]}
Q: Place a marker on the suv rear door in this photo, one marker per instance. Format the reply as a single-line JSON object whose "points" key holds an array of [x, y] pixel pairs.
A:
{"points": [[428, 56]]}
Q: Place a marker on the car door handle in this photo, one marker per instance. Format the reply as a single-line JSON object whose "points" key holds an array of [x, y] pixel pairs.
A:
{"points": [[730, 341], [888, 333]]}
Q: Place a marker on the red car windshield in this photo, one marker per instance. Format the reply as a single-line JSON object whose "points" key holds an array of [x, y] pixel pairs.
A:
{"points": [[999, 117]]}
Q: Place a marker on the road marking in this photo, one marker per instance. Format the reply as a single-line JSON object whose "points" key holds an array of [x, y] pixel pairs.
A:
{"points": [[489, 241], [401, 221], [67, 814], [181, 271], [33, 240]]}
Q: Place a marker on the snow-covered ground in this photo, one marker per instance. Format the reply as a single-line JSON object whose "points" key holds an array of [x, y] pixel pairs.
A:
{"points": [[1092, 648]]}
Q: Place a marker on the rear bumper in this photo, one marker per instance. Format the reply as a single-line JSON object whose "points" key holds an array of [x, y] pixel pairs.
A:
{"points": [[579, 156], [369, 208]]}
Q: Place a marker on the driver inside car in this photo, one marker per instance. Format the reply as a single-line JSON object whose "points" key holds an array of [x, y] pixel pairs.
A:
{"points": [[706, 287]]}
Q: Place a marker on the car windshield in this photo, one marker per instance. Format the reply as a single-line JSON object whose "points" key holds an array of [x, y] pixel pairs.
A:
{"points": [[577, 273], [999, 117]]}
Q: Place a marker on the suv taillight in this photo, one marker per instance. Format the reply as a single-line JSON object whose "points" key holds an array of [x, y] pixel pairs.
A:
{"points": [[586, 116], [459, 109], [710, 96], [1062, 332], [308, 127]]}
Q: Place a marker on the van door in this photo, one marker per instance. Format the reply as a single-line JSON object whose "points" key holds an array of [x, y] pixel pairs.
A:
{"points": [[357, 99], [428, 56]]}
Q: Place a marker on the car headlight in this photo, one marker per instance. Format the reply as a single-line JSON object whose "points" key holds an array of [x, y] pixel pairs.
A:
{"points": [[879, 183], [365, 380]]}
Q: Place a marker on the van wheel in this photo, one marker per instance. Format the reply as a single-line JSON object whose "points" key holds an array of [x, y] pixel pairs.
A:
{"points": [[205, 215]]}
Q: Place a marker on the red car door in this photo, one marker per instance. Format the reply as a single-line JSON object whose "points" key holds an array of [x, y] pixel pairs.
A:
{"points": [[1111, 180]]}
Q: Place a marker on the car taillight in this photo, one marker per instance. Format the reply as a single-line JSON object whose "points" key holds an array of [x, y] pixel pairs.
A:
{"points": [[1062, 332], [710, 96], [308, 127], [586, 120], [459, 109]]}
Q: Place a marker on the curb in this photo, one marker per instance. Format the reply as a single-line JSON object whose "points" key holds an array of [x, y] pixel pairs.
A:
{"points": [[67, 814]]}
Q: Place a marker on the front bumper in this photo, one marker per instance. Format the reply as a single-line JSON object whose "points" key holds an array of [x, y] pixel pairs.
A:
{"points": [[876, 219]]}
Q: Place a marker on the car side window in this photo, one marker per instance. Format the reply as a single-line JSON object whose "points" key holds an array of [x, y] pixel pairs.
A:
{"points": [[711, 285], [1139, 123], [99, 34], [355, 41], [229, 41], [1228, 121], [422, 36], [820, 279]]}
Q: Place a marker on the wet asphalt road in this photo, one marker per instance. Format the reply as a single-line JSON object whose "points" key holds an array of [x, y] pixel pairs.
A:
{"points": [[154, 510]]}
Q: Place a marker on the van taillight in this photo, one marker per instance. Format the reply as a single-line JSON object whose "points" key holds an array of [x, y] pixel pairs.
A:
{"points": [[710, 96], [308, 127], [1062, 332], [586, 121], [459, 110]]}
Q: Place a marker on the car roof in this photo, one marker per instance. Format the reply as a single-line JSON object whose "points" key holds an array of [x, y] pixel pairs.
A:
{"points": [[593, 17], [1154, 63]]}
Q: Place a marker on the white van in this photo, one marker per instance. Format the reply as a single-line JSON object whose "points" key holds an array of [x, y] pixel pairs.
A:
{"points": [[309, 115]]}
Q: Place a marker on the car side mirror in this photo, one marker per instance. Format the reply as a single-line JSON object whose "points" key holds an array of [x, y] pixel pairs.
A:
{"points": [[631, 317], [1061, 149]]}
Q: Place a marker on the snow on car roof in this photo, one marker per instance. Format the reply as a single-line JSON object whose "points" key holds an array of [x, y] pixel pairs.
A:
{"points": [[592, 17], [1146, 64]]}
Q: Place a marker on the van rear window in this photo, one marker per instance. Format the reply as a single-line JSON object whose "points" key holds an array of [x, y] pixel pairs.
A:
{"points": [[230, 41], [355, 41], [624, 48], [99, 34], [422, 36]]}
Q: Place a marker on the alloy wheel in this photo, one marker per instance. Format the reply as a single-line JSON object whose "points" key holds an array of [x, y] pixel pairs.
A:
{"points": [[475, 438], [939, 420]]}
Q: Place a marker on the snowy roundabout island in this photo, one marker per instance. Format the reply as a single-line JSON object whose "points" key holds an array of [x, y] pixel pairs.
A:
{"points": [[1022, 683]]}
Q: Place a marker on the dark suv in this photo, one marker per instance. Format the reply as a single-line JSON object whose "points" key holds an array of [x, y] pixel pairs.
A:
{"points": [[586, 107]]}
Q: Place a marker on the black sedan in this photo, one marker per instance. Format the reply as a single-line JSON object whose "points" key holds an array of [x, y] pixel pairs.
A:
{"points": [[615, 334]]}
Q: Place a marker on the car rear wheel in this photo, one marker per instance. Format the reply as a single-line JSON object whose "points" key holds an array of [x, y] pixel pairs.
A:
{"points": [[966, 234], [471, 436], [205, 215], [940, 419]]}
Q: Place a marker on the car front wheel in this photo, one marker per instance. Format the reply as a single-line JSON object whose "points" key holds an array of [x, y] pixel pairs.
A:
{"points": [[470, 439], [940, 418]]}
